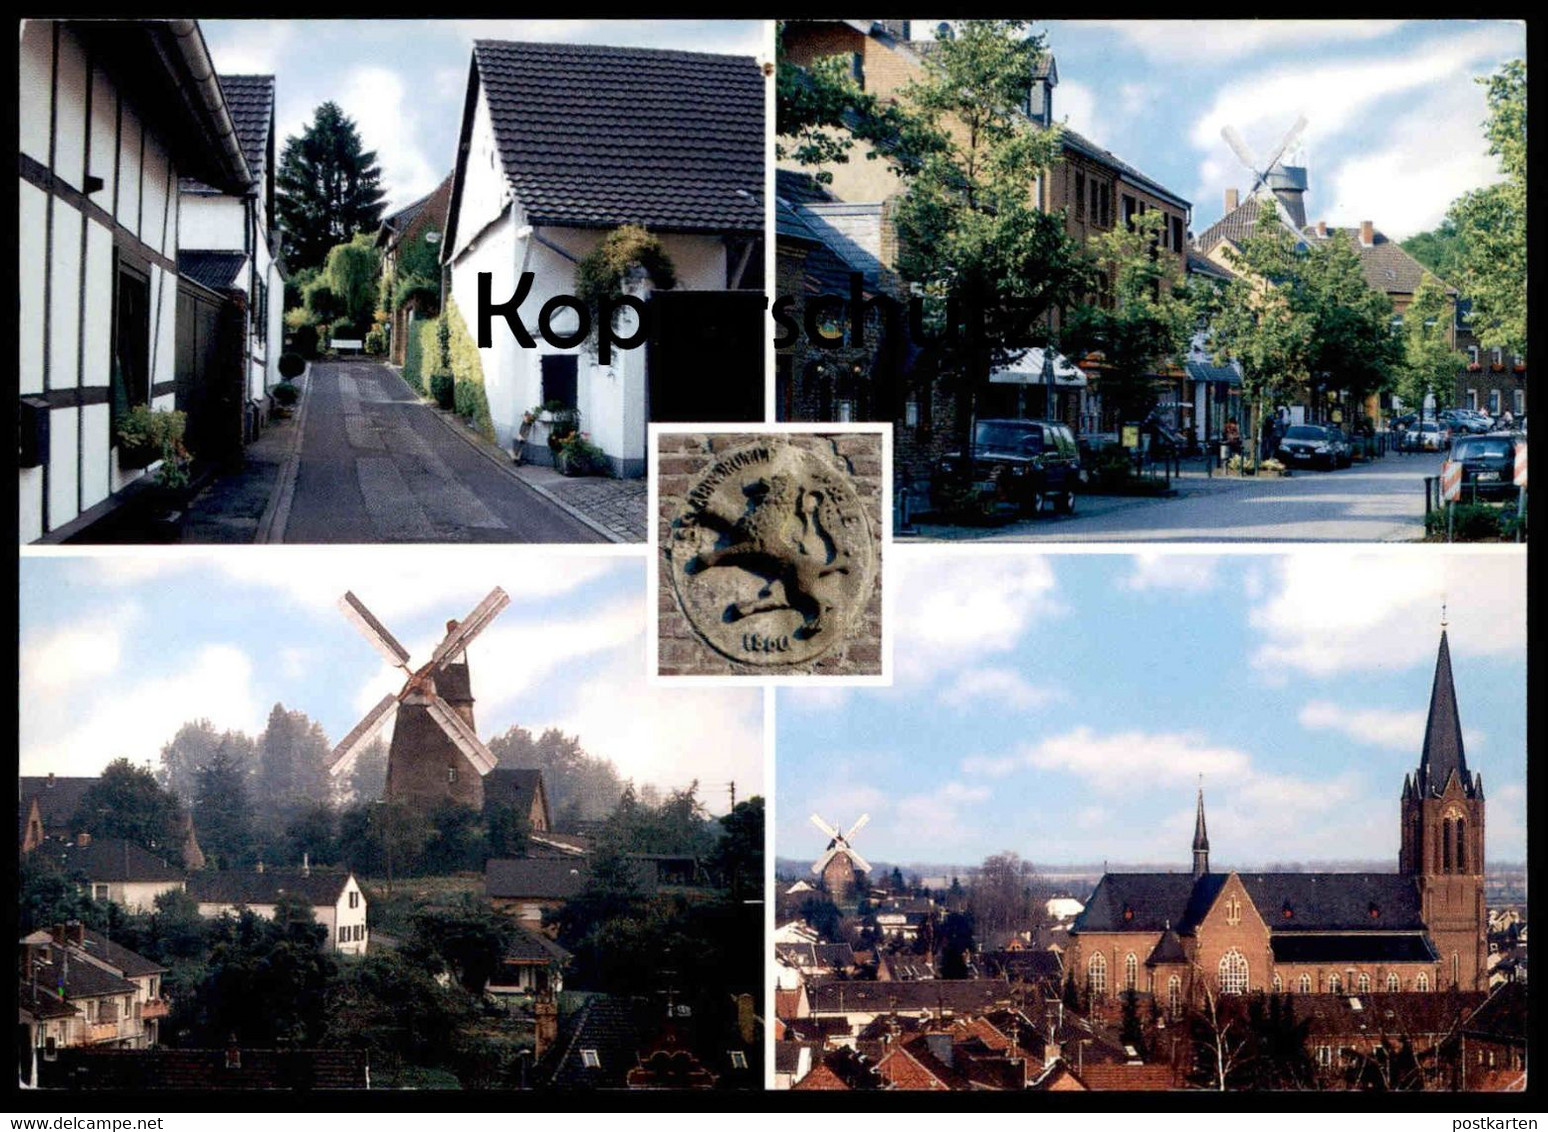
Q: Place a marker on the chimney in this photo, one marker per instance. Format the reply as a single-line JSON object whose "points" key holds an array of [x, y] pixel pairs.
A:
{"points": [[898, 29], [546, 1012], [1322, 229], [49, 785], [1367, 233], [306, 864], [82, 840], [260, 866], [1231, 200]]}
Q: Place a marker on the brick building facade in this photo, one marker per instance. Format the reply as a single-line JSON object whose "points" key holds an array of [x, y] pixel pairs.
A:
{"points": [[1180, 936]]}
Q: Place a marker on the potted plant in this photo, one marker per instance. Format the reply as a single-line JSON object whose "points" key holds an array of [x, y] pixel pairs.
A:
{"points": [[563, 422], [443, 387], [146, 435], [577, 456]]}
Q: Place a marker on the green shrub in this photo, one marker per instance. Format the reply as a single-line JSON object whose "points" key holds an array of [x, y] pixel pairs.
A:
{"points": [[304, 340], [376, 341], [291, 365], [443, 387], [600, 275], [285, 394], [467, 367], [413, 356], [1470, 522], [577, 456]]}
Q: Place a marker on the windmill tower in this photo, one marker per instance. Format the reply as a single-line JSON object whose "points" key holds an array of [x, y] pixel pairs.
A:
{"points": [[840, 866], [435, 753], [1286, 181]]}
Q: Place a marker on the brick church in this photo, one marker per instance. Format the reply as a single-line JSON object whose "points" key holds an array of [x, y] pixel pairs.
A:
{"points": [[1422, 928]]}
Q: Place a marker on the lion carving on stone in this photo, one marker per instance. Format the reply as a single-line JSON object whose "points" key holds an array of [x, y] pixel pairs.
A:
{"points": [[786, 535]]}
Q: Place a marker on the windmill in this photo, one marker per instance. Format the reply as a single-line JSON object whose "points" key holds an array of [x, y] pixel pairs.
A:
{"points": [[839, 866], [1286, 182], [435, 753]]}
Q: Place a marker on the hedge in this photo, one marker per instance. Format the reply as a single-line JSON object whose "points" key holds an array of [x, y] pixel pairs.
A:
{"points": [[414, 368], [466, 365]]}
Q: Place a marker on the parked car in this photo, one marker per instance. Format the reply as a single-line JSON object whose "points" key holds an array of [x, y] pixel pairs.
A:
{"points": [[1018, 466], [1427, 436], [1466, 420], [1314, 444], [1488, 465]]}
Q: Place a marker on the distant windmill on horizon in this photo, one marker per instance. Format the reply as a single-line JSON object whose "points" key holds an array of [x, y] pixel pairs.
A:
{"points": [[435, 753], [1286, 181], [840, 867]]}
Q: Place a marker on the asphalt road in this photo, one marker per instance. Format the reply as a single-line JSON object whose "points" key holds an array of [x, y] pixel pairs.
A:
{"points": [[377, 465], [1378, 502]]}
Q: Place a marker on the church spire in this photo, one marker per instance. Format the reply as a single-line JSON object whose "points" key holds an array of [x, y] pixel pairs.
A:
{"points": [[1442, 753], [1200, 837]]}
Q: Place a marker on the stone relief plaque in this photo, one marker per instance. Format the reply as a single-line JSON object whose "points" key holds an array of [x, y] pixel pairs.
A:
{"points": [[772, 556]]}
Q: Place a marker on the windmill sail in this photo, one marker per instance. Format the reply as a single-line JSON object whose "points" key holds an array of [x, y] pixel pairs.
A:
{"points": [[461, 734], [346, 752], [373, 630], [471, 626]]}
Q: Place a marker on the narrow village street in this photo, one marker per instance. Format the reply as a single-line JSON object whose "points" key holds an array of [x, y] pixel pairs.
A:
{"points": [[366, 461], [1378, 502]]}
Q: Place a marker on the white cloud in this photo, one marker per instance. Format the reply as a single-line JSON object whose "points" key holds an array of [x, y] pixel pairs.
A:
{"points": [[950, 609], [1135, 760], [66, 734], [1329, 613], [52, 662], [977, 686], [1188, 573], [1167, 41], [1076, 104], [377, 99], [1380, 727], [251, 47]]}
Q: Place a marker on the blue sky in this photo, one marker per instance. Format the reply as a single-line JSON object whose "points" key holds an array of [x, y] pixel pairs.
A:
{"points": [[1394, 113], [403, 81], [118, 652], [1064, 706]]}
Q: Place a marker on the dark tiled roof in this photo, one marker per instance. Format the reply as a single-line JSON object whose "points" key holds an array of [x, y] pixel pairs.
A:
{"points": [[1198, 265], [114, 859], [1352, 947], [41, 1003], [509, 786], [789, 224], [1315, 901], [542, 878], [250, 102], [72, 977], [1168, 949], [614, 1026], [215, 270], [816, 954], [318, 888], [1398, 1015], [1027, 965], [957, 995], [787, 1055], [799, 188], [534, 947], [136, 1070], [1236, 225], [128, 963], [1387, 267], [600, 136], [428, 211], [57, 799], [1503, 1017]]}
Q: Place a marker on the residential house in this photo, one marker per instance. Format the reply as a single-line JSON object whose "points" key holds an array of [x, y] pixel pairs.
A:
{"points": [[113, 994], [1095, 189], [232, 281], [521, 790], [111, 114], [56, 800], [1492, 1047], [335, 898], [619, 1042], [1353, 1037], [409, 236], [532, 965], [120, 871], [560, 145]]}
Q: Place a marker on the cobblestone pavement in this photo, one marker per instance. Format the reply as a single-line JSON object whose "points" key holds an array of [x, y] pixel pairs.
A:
{"points": [[616, 505]]}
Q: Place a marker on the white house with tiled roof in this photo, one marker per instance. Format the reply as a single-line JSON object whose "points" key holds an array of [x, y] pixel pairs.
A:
{"points": [[560, 144], [335, 898]]}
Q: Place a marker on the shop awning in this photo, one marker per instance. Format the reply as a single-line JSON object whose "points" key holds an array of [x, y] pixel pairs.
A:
{"points": [[1205, 371], [1027, 369]]}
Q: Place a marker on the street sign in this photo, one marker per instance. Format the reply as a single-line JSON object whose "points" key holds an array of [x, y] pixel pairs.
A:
{"points": [[1131, 436], [1521, 464], [1451, 480]]}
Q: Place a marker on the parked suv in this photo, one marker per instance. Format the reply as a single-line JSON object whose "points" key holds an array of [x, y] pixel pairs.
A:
{"points": [[1018, 466], [1315, 444], [1488, 465]]}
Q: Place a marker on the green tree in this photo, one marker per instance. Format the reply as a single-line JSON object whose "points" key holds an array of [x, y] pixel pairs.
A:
{"points": [[292, 773], [47, 895], [1259, 324], [268, 980], [506, 829], [1148, 321], [737, 859], [312, 834], [1491, 223], [1132, 1029], [221, 810], [579, 786], [1352, 348], [1440, 249], [956, 944], [184, 754], [351, 273], [329, 187], [466, 940], [1429, 362], [971, 235], [392, 1006], [456, 841], [128, 802]]}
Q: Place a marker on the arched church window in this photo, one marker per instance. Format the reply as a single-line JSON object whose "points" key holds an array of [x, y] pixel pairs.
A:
{"points": [[1096, 976], [1394, 984], [1131, 972], [1174, 996], [1279, 984], [1461, 845], [1446, 858], [1364, 983], [1233, 972], [1303, 984], [1421, 981], [1335, 985]]}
